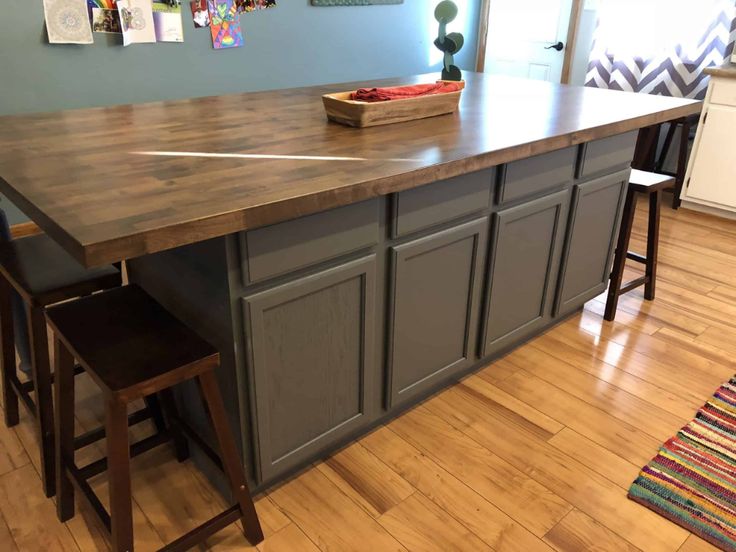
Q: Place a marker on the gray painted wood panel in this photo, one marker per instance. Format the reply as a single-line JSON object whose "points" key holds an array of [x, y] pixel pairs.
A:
{"points": [[440, 202], [592, 232], [525, 251], [607, 155], [288, 246], [312, 356], [535, 176], [435, 294]]}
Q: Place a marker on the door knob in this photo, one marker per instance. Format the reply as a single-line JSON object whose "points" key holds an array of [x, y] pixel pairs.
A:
{"points": [[559, 47]]}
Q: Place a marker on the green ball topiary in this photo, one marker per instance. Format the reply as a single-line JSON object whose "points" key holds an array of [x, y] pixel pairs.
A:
{"points": [[450, 44]]}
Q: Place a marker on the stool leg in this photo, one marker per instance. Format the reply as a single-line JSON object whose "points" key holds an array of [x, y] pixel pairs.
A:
{"points": [[64, 420], [44, 402], [681, 163], [118, 470], [7, 361], [181, 445], [655, 203], [154, 407], [230, 458], [619, 263]]}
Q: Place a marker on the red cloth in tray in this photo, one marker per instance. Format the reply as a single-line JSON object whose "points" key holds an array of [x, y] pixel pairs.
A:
{"points": [[404, 92]]}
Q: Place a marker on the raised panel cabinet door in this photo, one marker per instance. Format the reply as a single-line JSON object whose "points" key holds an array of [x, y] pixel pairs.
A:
{"points": [[525, 249], [311, 360], [595, 217], [434, 315], [713, 172]]}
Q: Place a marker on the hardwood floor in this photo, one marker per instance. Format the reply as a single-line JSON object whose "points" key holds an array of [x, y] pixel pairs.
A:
{"points": [[534, 452]]}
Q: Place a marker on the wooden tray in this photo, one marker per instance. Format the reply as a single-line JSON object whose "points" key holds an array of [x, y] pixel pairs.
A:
{"points": [[341, 109]]}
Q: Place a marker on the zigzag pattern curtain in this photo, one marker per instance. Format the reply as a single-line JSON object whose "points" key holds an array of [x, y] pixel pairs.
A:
{"points": [[661, 46]]}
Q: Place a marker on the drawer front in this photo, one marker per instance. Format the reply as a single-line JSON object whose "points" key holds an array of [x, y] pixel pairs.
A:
{"points": [[440, 202], [288, 246], [536, 176], [607, 156], [724, 92]]}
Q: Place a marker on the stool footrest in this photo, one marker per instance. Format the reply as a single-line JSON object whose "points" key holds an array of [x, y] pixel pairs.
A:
{"points": [[80, 482], [204, 531], [634, 284], [98, 434], [136, 449], [636, 257], [21, 393]]}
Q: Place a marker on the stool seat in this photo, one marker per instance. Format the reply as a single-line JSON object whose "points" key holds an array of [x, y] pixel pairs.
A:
{"points": [[124, 339], [647, 182], [43, 273]]}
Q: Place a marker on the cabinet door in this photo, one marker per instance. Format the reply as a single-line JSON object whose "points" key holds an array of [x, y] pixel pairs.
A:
{"points": [[525, 251], [591, 240], [434, 308], [713, 174], [311, 360]]}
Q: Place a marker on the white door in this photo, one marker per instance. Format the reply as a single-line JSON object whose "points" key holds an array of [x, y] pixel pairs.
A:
{"points": [[526, 38]]}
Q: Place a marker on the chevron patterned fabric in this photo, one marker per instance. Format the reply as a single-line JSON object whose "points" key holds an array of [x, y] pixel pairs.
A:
{"points": [[662, 51]]}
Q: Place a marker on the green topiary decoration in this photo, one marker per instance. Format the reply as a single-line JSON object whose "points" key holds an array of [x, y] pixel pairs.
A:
{"points": [[450, 44]]}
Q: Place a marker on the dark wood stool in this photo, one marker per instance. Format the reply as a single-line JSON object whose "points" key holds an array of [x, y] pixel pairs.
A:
{"points": [[41, 273], [651, 184], [132, 347], [646, 157]]}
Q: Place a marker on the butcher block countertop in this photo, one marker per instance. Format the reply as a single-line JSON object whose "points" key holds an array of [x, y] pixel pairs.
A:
{"points": [[727, 70], [120, 182]]}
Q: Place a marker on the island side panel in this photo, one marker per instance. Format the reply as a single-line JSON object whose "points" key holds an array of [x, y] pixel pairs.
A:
{"points": [[193, 283]]}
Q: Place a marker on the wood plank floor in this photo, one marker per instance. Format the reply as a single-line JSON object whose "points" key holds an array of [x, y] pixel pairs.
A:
{"points": [[534, 452]]}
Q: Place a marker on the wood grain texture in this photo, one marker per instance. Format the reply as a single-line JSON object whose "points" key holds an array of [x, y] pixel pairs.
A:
{"points": [[494, 458], [229, 163]]}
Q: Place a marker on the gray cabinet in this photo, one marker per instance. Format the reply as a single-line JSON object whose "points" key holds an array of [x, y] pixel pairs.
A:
{"points": [[525, 250], [311, 360], [434, 314], [594, 221]]}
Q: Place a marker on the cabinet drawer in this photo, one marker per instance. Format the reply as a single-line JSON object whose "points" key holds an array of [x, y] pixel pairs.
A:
{"points": [[441, 202], [724, 92], [535, 176], [607, 155], [288, 246]]}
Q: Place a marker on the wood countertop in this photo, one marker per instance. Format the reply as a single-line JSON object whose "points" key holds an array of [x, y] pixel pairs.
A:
{"points": [[727, 70], [119, 182]]}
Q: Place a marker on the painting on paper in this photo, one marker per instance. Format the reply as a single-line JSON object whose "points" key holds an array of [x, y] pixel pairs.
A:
{"points": [[106, 21], [225, 24], [200, 14], [245, 6], [67, 22], [136, 21], [167, 21]]}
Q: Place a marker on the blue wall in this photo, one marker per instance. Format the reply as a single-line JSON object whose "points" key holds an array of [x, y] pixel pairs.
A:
{"points": [[291, 45]]}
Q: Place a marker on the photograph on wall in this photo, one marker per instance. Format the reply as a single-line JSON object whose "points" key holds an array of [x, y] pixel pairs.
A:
{"points": [[106, 21], [67, 22], [245, 6], [167, 21], [200, 14], [225, 24], [136, 21]]}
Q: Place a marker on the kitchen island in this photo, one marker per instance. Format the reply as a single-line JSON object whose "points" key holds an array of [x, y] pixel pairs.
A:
{"points": [[343, 274]]}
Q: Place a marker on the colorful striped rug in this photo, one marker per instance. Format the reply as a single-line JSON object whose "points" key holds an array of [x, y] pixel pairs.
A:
{"points": [[692, 480]]}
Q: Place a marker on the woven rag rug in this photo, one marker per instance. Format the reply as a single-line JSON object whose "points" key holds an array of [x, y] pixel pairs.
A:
{"points": [[692, 480]]}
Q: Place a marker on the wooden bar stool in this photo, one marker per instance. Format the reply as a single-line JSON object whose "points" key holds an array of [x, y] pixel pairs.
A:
{"points": [[41, 273], [651, 184], [132, 347]]}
